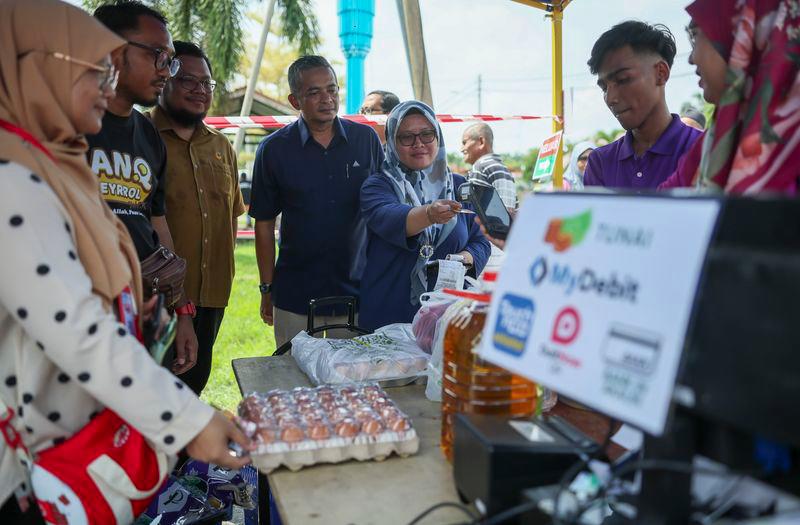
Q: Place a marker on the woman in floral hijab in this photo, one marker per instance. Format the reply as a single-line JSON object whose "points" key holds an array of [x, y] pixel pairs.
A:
{"points": [[747, 54]]}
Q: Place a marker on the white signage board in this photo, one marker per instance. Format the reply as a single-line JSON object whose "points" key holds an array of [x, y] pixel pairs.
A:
{"points": [[595, 295]]}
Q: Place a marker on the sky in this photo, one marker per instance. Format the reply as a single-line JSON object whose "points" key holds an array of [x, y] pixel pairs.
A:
{"points": [[509, 46]]}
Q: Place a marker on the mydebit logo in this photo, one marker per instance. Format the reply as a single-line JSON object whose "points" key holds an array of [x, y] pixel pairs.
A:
{"points": [[565, 232], [607, 285], [514, 324]]}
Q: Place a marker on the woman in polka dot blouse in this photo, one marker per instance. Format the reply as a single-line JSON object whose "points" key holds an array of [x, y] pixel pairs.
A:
{"points": [[64, 356]]}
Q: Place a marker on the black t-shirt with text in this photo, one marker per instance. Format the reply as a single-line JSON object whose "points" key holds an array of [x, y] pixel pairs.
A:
{"points": [[129, 158]]}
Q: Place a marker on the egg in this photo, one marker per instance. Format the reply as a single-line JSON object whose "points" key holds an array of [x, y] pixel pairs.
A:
{"points": [[266, 435], [399, 424], [266, 421], [250, 413], [325, 390], [285, 420], [371, 426], [348, 393], [318, 431], [370, 392], [251, 407], [275, 395], [311, 417], [389, 412], [364, 413], [282, 412], [325, 398], [292, 434], [328, 405], [281, 404], [303, 394], [338, 414], [356, 404], [347, 428], [381, 400], [305, 406]]}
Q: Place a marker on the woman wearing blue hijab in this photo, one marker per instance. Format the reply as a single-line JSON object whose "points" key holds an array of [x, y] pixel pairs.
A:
{"points": [[412, 218]]}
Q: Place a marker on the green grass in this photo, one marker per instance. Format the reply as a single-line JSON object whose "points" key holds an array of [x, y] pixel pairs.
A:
{"points": [[242, 333]]}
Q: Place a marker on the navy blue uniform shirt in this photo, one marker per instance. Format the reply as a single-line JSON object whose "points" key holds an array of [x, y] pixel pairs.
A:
{"points": [[322, 235], [391, 254]]}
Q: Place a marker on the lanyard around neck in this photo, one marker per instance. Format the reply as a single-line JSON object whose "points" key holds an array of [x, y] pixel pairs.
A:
{"points": [[27, 137]]}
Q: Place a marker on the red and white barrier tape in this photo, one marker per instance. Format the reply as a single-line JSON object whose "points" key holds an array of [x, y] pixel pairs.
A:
{"points": [[279, 121]]}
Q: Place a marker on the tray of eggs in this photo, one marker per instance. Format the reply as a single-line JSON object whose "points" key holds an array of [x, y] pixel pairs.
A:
{"points": [[326, 424]]}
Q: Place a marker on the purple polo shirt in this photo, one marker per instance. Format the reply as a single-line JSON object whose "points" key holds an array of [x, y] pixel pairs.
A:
{"points": [[615, 165]]}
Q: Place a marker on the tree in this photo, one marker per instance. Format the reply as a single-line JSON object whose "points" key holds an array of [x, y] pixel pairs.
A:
{"points": [[695, 102], [456, 161], [699, 103], [217, 26], [529, 161], [601, 138], [278, 55], [280, 52]]}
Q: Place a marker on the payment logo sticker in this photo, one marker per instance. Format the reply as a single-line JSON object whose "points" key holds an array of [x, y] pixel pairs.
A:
{"points": [[607, 285], [567, 326], [565, 232], [631, 356], [514, 324], [632, 348]]}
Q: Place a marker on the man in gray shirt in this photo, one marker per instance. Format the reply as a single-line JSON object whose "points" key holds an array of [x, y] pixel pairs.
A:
{"points": [[476, 146]]}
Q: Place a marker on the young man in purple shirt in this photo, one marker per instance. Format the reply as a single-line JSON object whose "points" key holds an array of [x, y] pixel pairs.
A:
{"points": [[632, 61]]}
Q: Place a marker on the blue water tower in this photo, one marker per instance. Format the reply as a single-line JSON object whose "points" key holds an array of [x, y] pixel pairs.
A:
{"points": [[355, 33]]}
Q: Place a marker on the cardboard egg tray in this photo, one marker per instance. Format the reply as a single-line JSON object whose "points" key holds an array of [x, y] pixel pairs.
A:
{"points": [[327, 424]]}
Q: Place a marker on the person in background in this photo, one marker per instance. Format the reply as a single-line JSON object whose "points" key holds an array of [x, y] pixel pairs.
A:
{"points": [[477, 146], [632, 61], [128, 156], [573, 176], [744, 52], [311, 173], [379, 103], [412, 218], [67, 351], [245, 187], [694, 118], [203, 201]]}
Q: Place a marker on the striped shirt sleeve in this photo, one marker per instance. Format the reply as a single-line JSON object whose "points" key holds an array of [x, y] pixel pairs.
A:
{"points": [[491, 169]]}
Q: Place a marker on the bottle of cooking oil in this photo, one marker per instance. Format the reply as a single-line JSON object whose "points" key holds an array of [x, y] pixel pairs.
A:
{"points": [[472, 385]]}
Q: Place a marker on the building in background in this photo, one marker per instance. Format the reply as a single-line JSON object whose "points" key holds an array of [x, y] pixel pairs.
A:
{"points": [[262, 106]]}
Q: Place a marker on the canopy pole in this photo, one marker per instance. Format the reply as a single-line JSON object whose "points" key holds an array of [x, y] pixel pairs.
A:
{"points": [[557, 16], [247, 101], [411, 25]]}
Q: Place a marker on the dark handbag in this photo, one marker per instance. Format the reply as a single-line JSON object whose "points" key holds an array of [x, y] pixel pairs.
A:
{"points": [[163, 272]]}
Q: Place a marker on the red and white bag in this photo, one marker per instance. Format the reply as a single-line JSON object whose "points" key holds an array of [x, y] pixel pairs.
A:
{"points": [[104, 474]]}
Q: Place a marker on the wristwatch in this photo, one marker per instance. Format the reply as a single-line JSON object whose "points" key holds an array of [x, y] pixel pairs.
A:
{"points": [[187, 309], [265, 287]]}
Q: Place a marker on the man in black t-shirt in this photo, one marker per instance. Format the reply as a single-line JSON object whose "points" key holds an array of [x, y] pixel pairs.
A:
{"points": [[128, 155], [129, 158]]}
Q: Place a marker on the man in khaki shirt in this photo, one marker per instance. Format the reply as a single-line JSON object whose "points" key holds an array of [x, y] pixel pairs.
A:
{"points": [[203, 198]]}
